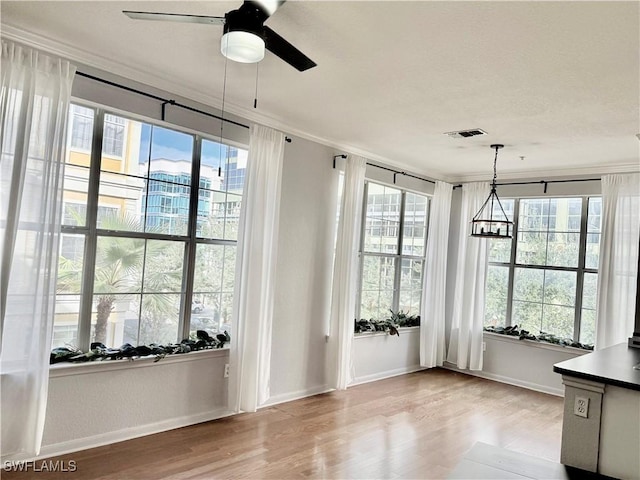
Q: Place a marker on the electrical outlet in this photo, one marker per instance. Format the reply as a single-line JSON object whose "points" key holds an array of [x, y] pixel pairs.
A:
{"points": [[226, 370], [581, 407]]}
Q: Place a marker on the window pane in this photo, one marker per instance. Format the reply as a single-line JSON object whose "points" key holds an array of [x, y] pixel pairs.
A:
{"points": [[593, 232], [234, 172], [70, 264], [500, 248], [558, 320], [119, 263], [592, 255], [222, 174], [141, 319], [68, 290], [531, 248], [377, 287], [565, 214], [563, 249], [212, 302], [65, 326], [231, 216], [495, 310], [528, 316], [120, 197], [534, 215], [560, 288], [80, 132], [113, 142], [588, 320], [594, 216], [77, 163], [167, 208], [115, 319], [158, 319], [163, 266], [415, 225], [528, 284], [410, 286], [382, 219]]}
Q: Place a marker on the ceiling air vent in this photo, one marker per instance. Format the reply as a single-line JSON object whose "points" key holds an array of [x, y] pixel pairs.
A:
{"points": [[466, 133]]}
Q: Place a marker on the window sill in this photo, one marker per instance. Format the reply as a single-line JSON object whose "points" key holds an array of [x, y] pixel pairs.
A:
{"points": [[531, 343], [379, 334], [65, 369]]}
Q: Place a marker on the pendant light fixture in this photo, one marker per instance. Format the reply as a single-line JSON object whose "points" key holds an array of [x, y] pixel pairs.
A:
{"points": [[491, 221]]}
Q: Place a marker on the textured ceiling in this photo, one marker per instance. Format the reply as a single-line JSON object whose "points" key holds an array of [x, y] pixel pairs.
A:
{"points": [[556, 82]]}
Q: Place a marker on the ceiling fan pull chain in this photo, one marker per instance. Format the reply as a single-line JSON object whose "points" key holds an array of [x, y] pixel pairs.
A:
{"points": [[255, 99], [224, 91]]}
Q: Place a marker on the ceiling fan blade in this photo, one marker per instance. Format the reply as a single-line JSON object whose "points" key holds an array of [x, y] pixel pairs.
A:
{"points": [[287, 52], [174, 17]]}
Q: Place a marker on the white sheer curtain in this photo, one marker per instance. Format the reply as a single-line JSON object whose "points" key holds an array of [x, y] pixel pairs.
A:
{"points": [[345, 275], [250, 355], [618, 268], [432, 310], [465, 343], [33, 111]]}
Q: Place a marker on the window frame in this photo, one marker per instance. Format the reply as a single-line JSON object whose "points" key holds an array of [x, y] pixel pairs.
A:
{"points": [[398, 255], [580, 269], [91, 232]]}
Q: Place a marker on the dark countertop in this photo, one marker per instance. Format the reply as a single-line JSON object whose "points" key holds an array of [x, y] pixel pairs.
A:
{"points": [[613, 366]]}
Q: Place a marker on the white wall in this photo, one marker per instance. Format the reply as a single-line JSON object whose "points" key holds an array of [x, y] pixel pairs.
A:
{"points": [[304, 269], [523, 363], [380, 355], [104, 402]]}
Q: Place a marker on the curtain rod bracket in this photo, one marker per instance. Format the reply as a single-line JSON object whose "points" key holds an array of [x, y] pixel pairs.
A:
{"points": [[337, 156]]}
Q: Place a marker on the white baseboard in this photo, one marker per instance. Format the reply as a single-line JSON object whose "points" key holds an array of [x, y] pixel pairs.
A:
{"points": [[288, 397], [386, 374], [107, 438], [559, 392]]}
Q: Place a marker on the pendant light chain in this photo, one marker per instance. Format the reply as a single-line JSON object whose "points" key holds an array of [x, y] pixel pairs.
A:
{"points": [[495, 175]]}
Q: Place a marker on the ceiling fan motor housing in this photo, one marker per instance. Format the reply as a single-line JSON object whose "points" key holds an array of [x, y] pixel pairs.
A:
{"points": [[245, 19]]}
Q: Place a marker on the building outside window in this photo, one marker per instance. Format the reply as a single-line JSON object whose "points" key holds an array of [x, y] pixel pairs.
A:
{"points": [[392, 251], [545, 279], [140, 246]]}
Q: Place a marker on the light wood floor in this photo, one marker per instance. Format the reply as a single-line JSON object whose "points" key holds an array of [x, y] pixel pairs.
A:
{"points": [[412, 426]]}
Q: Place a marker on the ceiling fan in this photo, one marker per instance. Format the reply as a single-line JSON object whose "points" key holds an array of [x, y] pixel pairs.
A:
{"points": [[245, 36]]}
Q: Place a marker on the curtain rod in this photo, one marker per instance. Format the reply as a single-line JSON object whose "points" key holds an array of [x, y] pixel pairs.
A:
{"points": [[543, 182], [164, 101], [395, 172], [532, 182]]}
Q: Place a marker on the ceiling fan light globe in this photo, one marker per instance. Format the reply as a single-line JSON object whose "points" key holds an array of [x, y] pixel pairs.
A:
{"points": [[243, 47]]}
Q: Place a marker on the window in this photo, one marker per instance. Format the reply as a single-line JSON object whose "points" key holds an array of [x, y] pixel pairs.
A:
{"points": [[144, 256], [545, 278], [393, 250]]}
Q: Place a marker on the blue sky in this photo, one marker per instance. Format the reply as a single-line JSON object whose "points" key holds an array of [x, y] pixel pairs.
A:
{"points": [[174, 145]]}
